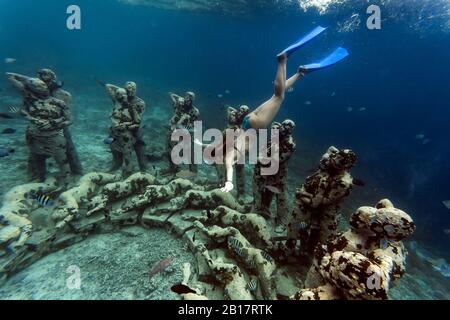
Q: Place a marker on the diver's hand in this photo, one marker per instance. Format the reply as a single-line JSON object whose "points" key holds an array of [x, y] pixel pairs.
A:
{"points": [[228, 187]]}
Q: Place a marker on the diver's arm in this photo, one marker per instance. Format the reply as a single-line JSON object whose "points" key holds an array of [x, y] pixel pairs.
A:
{"points": [[229, 164]]}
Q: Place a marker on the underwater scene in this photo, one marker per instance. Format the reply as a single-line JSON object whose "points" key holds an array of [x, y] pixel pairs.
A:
{"points": [[224, 150]]}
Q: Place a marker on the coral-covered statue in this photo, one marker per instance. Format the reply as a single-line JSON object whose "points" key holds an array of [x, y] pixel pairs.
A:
{"points": [[315, 216], [365, 261]]}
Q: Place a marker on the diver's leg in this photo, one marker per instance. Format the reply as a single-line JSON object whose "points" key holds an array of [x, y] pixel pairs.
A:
{"points": [[72, 154], [292, 80], [264, 114]]}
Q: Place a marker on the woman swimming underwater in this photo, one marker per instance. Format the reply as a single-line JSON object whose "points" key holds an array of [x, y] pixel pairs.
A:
{"points": [[263, 116]]}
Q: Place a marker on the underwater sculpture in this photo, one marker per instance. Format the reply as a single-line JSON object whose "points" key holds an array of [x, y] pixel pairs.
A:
{"points": [[15, 227], [185, 114], [315, 216], [55, 86], [48, 119], [71, 199], [265, 188], [115, 191], [37, 162], [236, 258], [252, 259], [365, 261], [126, 118]]}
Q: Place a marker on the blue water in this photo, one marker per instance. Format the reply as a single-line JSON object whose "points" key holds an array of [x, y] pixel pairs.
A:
{"points": [[399, 74]]}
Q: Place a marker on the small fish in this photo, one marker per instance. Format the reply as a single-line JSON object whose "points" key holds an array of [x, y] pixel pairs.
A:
{"points": [[160, 266], [358, 182], [308, 103], [14, 110], [8, 131], [420, 136], [447, 231], [43, 200], [426, 141], [446, 203], [291, 89], [220, 96], [5, 152], [252, 285], [362, 109], [181, 289], [273, 189], [186, 174], [236, 246], [302, 225], [108, 141], [227, 91], [350, 109], [10, 60], [101, 83], [333, 94]]}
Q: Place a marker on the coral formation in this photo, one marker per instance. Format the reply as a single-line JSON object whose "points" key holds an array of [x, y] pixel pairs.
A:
{"points": [[15, 227], [315, 217], [365, 261], [71, 199], [234, 249]]}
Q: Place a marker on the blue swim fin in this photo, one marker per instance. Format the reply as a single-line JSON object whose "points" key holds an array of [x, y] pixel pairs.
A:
{"points": [[338, 55], [303, 41]]}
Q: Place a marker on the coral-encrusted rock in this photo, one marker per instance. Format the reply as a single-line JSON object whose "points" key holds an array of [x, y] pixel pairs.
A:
{"points": [[384, 221], [365, 261]]}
